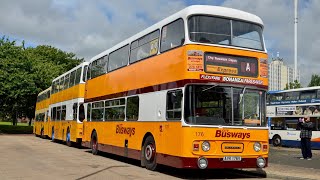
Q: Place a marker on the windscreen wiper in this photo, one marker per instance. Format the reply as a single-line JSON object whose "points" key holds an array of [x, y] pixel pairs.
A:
{"points": [[242, 93], [212, 86]]}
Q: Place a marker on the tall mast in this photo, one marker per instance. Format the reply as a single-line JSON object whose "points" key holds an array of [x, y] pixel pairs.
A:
{"points": [[295, 38]]}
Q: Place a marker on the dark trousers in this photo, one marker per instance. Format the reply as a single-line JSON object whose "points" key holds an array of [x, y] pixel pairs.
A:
{"points": [[306, 148]]}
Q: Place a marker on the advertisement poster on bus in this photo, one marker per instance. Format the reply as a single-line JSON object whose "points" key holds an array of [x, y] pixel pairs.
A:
{"points": [[298, 110], [271, 111], [264, 68], [195, 60]]}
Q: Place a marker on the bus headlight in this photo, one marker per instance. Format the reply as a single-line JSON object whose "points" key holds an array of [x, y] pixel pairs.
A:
{"points": [[261, 162], [202, 163], [205, 146], [257, 146]]}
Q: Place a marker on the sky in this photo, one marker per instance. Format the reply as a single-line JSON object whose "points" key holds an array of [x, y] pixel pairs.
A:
{"points": [[87, 28]]}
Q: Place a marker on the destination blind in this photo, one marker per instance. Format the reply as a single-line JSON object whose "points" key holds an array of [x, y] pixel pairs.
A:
{"points": [[231, 65]]}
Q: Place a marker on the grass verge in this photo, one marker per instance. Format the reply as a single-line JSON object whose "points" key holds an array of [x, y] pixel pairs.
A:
{"points": [[10, 123], [6, 128]]}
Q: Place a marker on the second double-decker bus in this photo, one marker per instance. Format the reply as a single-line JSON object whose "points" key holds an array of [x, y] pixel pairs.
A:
{"points": [[66, 105], [40, 127], [285, 108], [187, 92]]}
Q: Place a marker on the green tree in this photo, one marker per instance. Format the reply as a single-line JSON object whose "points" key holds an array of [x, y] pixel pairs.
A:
{"points": [[24, 72], [293, 85], [315, 80]]}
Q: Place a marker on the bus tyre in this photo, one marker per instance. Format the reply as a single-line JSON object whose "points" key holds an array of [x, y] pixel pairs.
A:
{"points": [[94, 143], [276, 140], [149, 153], [68, 140]]}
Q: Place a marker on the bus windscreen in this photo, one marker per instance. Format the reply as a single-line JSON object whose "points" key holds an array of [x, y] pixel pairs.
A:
{"points": [[229, 106], [217, 30]]}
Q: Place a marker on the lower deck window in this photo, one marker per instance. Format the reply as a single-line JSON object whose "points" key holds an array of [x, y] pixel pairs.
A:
{"points": [[132, 110], [174, 99]]}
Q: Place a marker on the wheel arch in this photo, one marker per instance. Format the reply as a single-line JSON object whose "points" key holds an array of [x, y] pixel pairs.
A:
{"points": [[276, 135], [94, 131], [145, 137]]}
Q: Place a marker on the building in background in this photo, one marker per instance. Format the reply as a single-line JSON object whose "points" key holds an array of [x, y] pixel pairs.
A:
{"points": [[280, 74]]}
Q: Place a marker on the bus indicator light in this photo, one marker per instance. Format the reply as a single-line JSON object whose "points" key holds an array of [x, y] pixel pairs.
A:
{"points": [[265, 147], [196, 147]]}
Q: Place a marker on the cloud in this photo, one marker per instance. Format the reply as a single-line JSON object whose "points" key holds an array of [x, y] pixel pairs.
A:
{"points": [[84, 27], [90, 27]]}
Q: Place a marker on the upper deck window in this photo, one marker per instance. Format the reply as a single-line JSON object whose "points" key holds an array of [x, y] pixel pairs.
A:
{"points": [[84, 73], [216, 30], [276, 97], [118, 58], [172, 35], [145, 47], [78, 76], [308, 94], [99, 67], [43, 96], [291, 96]]}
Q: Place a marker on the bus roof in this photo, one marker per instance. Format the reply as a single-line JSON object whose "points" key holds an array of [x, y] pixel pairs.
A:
{"points": [[80, 65], [45, 91], [294, 90], [185, 13]]}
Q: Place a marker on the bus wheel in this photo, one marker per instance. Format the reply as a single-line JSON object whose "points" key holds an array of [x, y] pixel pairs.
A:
{"points": [[276, 140], [94, 143], [68, 141], [149, 153]]}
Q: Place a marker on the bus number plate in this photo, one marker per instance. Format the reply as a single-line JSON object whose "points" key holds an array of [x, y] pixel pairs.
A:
{"points": [[232, 158]]}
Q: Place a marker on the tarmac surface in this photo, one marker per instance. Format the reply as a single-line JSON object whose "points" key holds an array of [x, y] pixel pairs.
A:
{"points": [[29, 157], [286, 163]]}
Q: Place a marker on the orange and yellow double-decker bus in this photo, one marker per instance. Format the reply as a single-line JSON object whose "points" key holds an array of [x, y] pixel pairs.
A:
{"points": [[66, 105], [187, 92], [40, 127]]}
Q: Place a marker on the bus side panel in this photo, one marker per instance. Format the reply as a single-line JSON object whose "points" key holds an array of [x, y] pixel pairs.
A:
{"points": [[156, 70], [114, 134], [174, 144], [46, 127], [58, 130], [75, 130], [36, 127], [50, 128], [61, 127], [74, 92]]}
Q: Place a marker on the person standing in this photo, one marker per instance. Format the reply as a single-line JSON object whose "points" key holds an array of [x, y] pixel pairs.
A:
{"points": [[305, 135]]}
